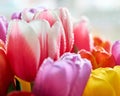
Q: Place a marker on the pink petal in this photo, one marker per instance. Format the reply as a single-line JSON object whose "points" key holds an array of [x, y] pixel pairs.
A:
{"points": [[81, 36], [68, 28], [23, 50], [46, 15]]}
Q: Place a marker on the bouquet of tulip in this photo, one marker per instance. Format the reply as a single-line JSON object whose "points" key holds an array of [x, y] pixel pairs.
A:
{"points": [[44, 52]]}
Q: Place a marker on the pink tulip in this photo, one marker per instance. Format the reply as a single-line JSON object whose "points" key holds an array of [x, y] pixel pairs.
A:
{"points": [[62, 15], [20, 93], [65, 77], [3, 28], [82, 36], [52, 18], [23, 50], [6, 75], [116, 51]]}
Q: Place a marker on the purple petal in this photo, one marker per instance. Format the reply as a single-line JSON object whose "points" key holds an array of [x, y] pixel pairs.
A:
{"points": [[16, 15], [65, 77], [116, 51], [83, 67]]}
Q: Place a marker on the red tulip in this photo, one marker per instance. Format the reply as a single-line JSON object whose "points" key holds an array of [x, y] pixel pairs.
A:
{"points": [[23, 50]]}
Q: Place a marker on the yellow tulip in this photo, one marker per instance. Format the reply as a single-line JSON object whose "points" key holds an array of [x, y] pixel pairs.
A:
{"points": [[103, 82]]}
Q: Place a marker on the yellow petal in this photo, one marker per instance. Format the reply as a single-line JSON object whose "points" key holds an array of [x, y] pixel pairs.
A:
{"points": [[103, 82]]}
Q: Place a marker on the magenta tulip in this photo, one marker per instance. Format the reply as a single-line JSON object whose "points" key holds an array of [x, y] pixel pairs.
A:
{"points": [[23, 50], [65, 77], [82, 36], [116, 51], [3, 28]]}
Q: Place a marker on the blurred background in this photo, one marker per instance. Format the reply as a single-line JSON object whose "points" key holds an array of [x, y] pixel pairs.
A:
{"points": [[103, 14]]}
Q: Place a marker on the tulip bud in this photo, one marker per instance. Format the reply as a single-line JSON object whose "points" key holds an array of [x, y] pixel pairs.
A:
{"points": [[65, 77]]}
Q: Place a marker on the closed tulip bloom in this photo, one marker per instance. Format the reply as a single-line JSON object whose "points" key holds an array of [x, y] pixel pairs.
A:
{"points": [[61, 15], [103, 82], [3, 28], [23, 50], [6, 75], [65, 77], [116, 51]]}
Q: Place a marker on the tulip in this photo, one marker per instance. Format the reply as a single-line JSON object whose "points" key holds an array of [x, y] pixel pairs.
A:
{"points": [[20, 93], [61, 15], [65, 77], [116, 51], [103, 82], [23, 50], [82, 38], [98, 57], [3, 28], [6, 75]]}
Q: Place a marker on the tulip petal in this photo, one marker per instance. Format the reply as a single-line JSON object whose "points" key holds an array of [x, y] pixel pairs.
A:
{"points": [[103, 82], [3, 28], [49, 78], [70, 70], [46, 15], [54, 37], [116, 51], [27, 15], [82, 36], [6, 75], [23, 50], [42, 27], [68, 28], [81, 76]]}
